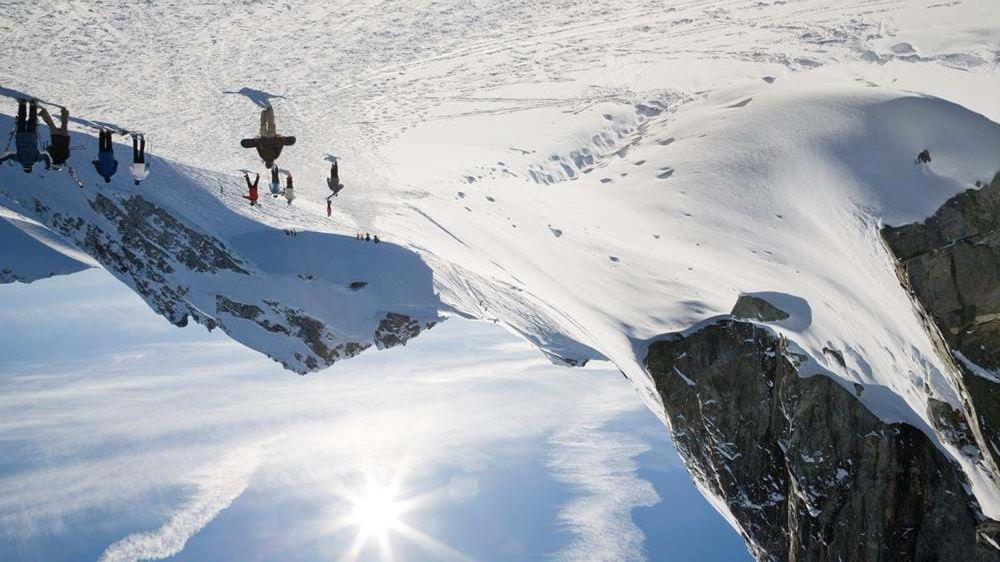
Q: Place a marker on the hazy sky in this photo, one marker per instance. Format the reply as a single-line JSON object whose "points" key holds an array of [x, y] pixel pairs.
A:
{"points": [[122, 437]]}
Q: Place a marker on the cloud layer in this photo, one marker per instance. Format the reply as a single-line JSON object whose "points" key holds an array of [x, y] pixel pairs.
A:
{"points": [[156, 440]]}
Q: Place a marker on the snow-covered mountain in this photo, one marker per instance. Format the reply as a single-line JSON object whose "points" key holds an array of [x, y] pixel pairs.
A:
{"points": [[592, 176]]}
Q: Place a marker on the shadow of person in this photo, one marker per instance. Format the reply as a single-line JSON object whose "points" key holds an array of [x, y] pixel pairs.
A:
{"points": [[259, 97]]}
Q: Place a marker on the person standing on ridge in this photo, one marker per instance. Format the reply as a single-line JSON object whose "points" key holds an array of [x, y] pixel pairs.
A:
{"points": [[275, 183], [26, 138], [252, 188], [106, 164], [268, 143], [333, 182], [58, 149], [289, 190], [139, 168]]}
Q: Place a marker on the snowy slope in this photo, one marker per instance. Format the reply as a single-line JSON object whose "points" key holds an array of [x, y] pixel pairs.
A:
{"points": [[305, 300], [32, 252], [591, 175]]}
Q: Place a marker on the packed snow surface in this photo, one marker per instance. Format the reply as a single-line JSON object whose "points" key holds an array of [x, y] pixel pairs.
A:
{"points": [[591, 175]]}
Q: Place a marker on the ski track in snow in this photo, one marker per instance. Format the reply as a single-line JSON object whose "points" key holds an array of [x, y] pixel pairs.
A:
{"points": [[709, 147]]}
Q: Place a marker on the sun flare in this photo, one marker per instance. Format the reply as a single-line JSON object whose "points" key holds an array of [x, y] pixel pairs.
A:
{"points": [[381, 513], [377, 510]]}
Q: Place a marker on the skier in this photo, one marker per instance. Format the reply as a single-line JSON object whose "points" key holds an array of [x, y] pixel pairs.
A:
{"points": [[375, 238], [252, 187], [289, 190], [58, 149], [329, 207], [368, 237], [26, 138], [106, 164], [139, 168], [275, 183], [333, 182], [269, 143]]}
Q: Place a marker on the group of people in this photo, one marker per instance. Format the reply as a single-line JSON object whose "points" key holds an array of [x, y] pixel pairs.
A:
{"points": [[366, 238], [269, 144], [106, 164], [56, 154], [253, 196]]}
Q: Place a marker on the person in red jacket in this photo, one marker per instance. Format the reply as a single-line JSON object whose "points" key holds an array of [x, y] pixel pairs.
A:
{"points": [[252, 187]]}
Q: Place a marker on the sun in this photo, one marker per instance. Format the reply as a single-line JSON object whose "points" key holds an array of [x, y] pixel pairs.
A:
{"points": [[376, 511]]}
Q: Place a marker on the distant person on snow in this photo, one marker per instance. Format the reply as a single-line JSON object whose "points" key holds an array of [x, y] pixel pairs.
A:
{"points": [[368, 237], [252, 188], [139, 168], [26, 138], [375, 239], [329, 207], [269, 143], [106, 164], [58, 149], [333, 182], [289, 190], [275, 183]]}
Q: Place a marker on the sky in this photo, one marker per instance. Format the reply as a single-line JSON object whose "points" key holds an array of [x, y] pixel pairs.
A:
{"points": [[125, 438]]}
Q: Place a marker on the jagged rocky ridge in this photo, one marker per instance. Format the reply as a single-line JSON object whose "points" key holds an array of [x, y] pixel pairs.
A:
{"points": [[806, 471], [163, 259], [951, 264]]}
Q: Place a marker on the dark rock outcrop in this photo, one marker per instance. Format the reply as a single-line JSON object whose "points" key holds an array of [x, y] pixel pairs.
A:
{"points": [[326, 349], [749, 307], [951, 264], [804, 468], [157, 253], [145, 245], [397, 329]]}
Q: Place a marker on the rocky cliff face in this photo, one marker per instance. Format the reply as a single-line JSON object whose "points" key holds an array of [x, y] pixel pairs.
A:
{"points": [[951, 264], [806, 471], [185, 273]]}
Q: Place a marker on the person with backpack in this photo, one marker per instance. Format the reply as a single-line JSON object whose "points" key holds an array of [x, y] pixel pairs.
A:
{"points": [[333, 182], [275, 183], [252, 188], [289, 190], [26, 138], [268, 143], [106, 164], [58, 149], [139, 168]]}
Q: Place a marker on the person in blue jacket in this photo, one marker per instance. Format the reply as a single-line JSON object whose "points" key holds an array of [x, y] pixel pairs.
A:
{"points": [[106, 164], [26, 138]]}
